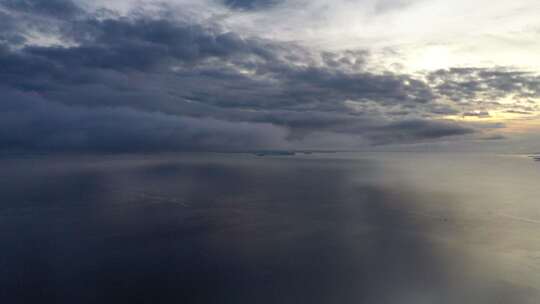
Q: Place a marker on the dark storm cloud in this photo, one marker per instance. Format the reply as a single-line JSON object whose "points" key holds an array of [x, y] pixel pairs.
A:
{"points": [[277, 84], [8, 31], [142, 44], [251, 4], [154, 46], [417, 130], [28, 122], [126, 46], [201, 72], [55, 8]]}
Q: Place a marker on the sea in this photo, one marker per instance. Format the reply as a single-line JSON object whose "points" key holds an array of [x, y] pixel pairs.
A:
{"points": [[342, 227]]}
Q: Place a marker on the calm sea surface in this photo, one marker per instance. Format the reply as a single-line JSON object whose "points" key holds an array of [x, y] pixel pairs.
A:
{"points": [[235, 228]]}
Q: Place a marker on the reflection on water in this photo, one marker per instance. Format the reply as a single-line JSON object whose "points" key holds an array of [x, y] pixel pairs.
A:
{"points": [[209, 228]]}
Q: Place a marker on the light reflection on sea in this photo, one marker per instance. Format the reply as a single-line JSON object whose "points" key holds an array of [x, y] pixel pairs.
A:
{"points": [[238, 228]]}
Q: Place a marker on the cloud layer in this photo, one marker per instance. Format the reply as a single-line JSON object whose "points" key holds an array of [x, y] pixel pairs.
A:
{"points": [[79, 78]]}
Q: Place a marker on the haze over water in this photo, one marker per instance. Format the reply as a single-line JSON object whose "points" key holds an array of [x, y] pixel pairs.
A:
{"points": [[237, 228]]}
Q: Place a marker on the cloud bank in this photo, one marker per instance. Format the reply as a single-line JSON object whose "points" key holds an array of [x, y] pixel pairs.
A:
{"points": [[94, 78]]}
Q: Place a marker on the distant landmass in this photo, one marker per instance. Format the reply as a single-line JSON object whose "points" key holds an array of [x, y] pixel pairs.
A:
{"points": [[288, 152], [535, 157]]}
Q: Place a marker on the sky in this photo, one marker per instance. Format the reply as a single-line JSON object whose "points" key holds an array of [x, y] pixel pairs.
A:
{"points": [[234, 75]]}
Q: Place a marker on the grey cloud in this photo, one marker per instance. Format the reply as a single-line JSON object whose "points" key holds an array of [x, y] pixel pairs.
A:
{"points": [[144, 43], [481, 88], [479, 114], [519, 112], [28, 122], [418, 130], [202, 73], [199, 54], [9, 35], [443, 110], [494, 137], [383, 6], [461, 84], [53, 8], [345, 60], [251, 4]]}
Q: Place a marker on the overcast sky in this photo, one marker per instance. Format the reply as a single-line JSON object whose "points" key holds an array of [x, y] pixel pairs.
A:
{"points": [[176, 75]]}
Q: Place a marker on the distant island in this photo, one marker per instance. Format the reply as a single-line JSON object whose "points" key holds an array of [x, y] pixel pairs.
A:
{"points": [[535, 157], [287, 152]]}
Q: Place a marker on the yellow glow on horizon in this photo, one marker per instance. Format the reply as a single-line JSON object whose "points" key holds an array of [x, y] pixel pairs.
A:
{"points": [[494, 116], [514, 123], [523, 125], [511, 108]]}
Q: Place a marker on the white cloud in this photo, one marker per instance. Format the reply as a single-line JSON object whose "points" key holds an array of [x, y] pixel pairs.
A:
{"points": [[464, 33], [423, 34]]}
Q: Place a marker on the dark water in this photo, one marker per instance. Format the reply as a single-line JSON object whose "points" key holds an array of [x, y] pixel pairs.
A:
{"points": [[208, 228]]}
